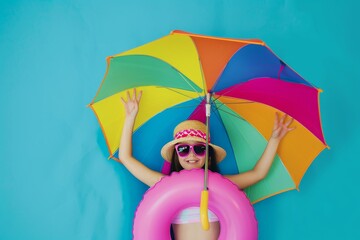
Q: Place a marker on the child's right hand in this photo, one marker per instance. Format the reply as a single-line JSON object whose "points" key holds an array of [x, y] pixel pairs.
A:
{"points": [[131, 105]]}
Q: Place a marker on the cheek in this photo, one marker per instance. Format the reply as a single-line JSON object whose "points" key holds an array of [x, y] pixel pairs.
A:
{"points": [[181, 161], [202, 161]]}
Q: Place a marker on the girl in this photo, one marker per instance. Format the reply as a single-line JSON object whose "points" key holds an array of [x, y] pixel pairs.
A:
{"points": [[187, 151]]}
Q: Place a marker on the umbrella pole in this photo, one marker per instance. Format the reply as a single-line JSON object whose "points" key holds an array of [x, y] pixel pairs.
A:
{"points": [[207, 108], [205, 194]]}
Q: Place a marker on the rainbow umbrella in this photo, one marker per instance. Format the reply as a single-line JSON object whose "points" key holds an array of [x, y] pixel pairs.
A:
{"points": [[247, 83]]}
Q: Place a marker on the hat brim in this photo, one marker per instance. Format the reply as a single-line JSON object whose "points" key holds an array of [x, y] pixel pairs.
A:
{"points": [[168, 149]]}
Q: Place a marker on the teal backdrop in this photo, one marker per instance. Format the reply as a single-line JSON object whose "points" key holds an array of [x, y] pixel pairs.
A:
{"points": [[55, 179]]}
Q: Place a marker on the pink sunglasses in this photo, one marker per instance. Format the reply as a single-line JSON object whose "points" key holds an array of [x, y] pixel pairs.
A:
{"points": [[184, 149]]}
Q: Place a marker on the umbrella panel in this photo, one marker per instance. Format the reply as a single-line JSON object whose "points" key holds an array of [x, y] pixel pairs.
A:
{"points": [[248, 145], [178, 51], [297, 150], [111, 115], [128, 72]]}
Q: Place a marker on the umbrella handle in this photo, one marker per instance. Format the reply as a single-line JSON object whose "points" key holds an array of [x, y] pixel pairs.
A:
{"points": [[204, 210], [204, 193]]}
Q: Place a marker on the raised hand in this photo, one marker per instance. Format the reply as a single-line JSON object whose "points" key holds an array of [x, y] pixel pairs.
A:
{"points": [[281, 126], [131, 105]]}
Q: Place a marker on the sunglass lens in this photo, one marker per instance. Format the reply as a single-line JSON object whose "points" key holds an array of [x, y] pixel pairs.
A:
{"points": [[199, 149], [183, 150]]}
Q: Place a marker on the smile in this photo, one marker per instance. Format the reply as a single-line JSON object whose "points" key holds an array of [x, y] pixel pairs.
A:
{"points": [[192, 161]]}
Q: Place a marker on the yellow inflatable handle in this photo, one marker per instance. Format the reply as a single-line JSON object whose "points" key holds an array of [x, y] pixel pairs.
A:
{"points": [[204, 210]]}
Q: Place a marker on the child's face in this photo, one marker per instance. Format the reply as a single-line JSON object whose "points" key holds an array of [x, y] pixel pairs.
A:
{"points": [[192, 160]]}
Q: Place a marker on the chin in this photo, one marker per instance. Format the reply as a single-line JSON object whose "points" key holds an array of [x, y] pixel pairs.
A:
{"points": [[192, 167]]}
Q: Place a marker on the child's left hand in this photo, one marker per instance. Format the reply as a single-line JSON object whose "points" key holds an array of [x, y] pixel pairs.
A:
{"points": [[281, 127]]}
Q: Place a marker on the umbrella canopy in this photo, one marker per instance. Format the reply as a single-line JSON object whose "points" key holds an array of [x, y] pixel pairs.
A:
{"points": [[248, 83]]}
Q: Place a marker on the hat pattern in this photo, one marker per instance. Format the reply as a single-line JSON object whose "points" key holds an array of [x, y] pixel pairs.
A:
{"points": [[192, 133], [190, 130]]}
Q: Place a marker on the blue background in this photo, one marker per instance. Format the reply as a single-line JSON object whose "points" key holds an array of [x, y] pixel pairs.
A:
{"points": [[55, 179]]}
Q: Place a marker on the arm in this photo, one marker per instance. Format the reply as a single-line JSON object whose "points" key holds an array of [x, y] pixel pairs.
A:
{"points": [[139, 170], [262, 167]]}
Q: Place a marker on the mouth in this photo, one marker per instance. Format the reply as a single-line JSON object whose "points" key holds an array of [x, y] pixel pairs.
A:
{"points": [[191, 161]]}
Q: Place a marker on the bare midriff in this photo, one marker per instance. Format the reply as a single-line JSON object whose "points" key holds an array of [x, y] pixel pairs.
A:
{"points": [[195, 231]]}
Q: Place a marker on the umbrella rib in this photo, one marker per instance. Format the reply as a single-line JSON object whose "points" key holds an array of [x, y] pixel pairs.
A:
{"points": [[172, 89], [217, 114], [214, 105], [190, 106], [219, 96], [229, 103], [230, 113], [182, 76], [222, 95]]}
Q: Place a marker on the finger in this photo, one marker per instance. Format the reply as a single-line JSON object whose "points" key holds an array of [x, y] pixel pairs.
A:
{"points": [[292, 128], [282, 119], [123, 101], [134, 94], [276, 121], [288, 123], [139, 96], [277, 116], [128, 95]]}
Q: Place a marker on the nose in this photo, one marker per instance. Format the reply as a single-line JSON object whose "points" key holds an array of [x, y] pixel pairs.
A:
{"points": [[192, 153]]}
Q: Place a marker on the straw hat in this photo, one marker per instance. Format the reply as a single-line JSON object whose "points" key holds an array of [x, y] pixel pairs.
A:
{"points": [[190, 130]]}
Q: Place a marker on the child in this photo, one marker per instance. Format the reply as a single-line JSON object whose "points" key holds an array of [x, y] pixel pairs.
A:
{"points": [[187, 151]]}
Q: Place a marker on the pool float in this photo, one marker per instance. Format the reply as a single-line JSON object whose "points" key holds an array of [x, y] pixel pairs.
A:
{"points": [[162, 202]]}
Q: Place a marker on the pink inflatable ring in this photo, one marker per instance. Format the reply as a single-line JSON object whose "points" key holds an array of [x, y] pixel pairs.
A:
{"points": [[173, 193]]}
